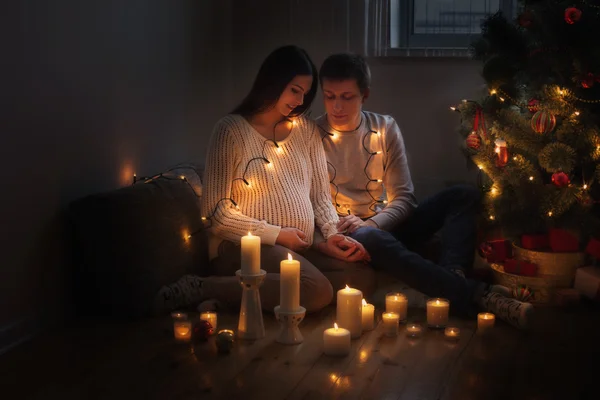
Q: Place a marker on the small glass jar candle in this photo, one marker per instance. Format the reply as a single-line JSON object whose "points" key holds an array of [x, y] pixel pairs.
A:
{"points": [[182, 330], [414, 330], [398, 303], [485, 322], [452, 333], [211, 317], [224, 341], [437, 312], [390, 323]]}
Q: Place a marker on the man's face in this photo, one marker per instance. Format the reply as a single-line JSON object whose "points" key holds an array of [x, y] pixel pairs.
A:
{"points": [[343, 103]]}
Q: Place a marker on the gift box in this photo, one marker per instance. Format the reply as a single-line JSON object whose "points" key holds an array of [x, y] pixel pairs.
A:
{"points": [[587, 282], [520, 267], [535, 242], [496, 251], [593, 248], [566, 297], [563, 241]]}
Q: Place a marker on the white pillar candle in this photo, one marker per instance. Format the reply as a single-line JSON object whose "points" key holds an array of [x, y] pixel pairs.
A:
{"points": [[211, 317], [349, 310], [452, 333], [250, 263], [289, 289], [182, 330], [368, 316], [437, 312], [391, 321], [336, 341], [485, 322], [398, 303]]}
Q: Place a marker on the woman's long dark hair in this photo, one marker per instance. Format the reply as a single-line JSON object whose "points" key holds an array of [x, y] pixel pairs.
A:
{"points": [[276, 72]]}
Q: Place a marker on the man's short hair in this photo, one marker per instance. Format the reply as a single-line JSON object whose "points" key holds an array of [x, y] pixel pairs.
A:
{"points": [[342, 66]]}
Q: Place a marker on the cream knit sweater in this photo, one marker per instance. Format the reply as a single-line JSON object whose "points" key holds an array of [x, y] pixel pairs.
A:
{"points": [[292, 190]]}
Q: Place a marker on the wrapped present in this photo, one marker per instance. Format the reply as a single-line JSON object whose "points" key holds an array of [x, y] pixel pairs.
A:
{"points": [[496, 250], [535, 242], [566, 297], [520, 267], [563, 241], [593, 248], [587, 282]]}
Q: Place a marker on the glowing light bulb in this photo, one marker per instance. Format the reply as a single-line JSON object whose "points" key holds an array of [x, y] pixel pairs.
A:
{"points": [[452, 108], [515, 158], [480, 166], [493, 91], [379, 180], [279, 150], [378, 152], [531, 178], [549, 213], [203, 218], [585, 186], [378, 133], [501, 98], [492, 218], [576, 113]]}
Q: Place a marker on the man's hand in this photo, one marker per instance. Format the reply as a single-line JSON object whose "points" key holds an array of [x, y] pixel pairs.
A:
{"points": [[292, 238], [350, 223], [344, 248]]}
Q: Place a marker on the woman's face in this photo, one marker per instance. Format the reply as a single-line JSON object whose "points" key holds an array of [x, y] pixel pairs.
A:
{"points": [[293, 94]]}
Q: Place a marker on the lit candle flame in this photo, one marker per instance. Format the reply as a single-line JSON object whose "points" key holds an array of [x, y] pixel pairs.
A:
{"points": [[290, 257], [249, 233], [335, 325], [364, 302], [437, 302], [347, 287]]}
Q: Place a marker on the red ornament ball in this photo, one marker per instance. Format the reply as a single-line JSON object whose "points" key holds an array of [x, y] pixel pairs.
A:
{"points": [[473, 141], [533, 105], [202, 330], [572, 15], [560, 179], [525, 19], [587, 81], [543, 122]]}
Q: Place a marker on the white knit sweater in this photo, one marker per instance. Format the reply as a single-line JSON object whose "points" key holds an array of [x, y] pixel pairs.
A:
{"points": [[291, 191]]}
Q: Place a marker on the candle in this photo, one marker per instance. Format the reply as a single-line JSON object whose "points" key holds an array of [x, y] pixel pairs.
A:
{"points": [[211, 317], [336, 341], [452, 333], [437, 312], [398, 303], [224, 342], [485, 321], [414, 330], [368, 316], [250, 263], [177, 315], [289, 286], [349, 310], [390, 323], [182, 329]]}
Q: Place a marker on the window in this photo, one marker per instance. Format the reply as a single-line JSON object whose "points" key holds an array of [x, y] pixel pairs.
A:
{"points": [[440, 27]]}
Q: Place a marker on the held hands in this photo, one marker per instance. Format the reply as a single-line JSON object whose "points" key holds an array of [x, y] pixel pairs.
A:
{"points": [[292, 238], [350, 223], [344, 248]]}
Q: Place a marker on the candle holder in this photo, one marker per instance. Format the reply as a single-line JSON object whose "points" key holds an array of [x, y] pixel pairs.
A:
{"points": [[250, 325], [289, 332]]}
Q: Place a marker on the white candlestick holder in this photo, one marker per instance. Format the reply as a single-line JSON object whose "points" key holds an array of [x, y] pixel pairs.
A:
{"points": [[289, 333], [250, 325]]}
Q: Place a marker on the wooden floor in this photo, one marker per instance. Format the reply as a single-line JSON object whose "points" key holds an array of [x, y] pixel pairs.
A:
{"points": [[558, 359]]}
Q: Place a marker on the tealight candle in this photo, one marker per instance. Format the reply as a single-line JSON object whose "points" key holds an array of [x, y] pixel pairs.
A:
{"points": [[211, 317], [414, 330], [178, 315], [368, 316], [398, 303], [390, 323], [452, 333], [182, 329], [485, 321], [349, 310], [336, 341], [437, 312]]}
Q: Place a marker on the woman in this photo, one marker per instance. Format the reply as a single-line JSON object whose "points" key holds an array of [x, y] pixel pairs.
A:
{"points": [[266, 174]]}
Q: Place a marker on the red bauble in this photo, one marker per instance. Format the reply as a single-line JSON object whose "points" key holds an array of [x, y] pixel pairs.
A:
{"points": [[525, 19], [501, 153], [560, 179], [202, 330], [587, 81], [572, 15], [473, 141], [543, 122], [533, 105]]}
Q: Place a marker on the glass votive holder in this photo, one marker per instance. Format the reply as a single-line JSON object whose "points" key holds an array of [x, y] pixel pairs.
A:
{"points": [[452, 333], [398, 303], [414, 330], [224, 341], [437, 312], [485, 322], [211, 317], [182, 330], [178, 315], [391, 321]]}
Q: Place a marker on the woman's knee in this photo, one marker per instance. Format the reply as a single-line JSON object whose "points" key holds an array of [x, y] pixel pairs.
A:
{"points": [[316, 291]]}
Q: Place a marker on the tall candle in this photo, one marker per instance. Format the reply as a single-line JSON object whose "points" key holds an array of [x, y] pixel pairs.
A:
{"points": [[182, 329], [398, 303], [250, 264], [437, 312], [349, 310], [368, 316], [390, 323], [289, 289], [211, 317], [336, 341], [485, 322]]}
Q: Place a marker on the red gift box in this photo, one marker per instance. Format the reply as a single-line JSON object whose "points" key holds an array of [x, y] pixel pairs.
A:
{"points": [[500, 250], [562, 241], [535, 242], [593, 248], [520, 267]]}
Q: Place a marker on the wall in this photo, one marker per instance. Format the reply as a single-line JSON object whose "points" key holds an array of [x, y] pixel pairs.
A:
{"points": [[93, 92]]}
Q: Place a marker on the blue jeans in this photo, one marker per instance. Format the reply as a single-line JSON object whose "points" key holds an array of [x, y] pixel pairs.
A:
{"points": [[453, 211]]}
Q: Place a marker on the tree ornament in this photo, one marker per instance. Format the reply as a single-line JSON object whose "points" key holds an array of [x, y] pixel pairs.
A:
{"points": [[522, 293], [525, 19], [533, 105], [572, 15], [560, 179], [473, 141], [587, 81], [543, 122], [202, 330], [501, 153]]}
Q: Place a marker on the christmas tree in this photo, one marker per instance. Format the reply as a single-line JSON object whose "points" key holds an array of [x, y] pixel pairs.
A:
{"points": [[535, 134]]}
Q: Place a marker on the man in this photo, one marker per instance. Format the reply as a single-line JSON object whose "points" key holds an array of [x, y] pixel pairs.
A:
{"points": [[373, 191]]}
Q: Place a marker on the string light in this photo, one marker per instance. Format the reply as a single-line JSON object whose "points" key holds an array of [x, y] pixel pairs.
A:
{"points": [[585, 186], [549, 213], [531, 178], [492, 218]]}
